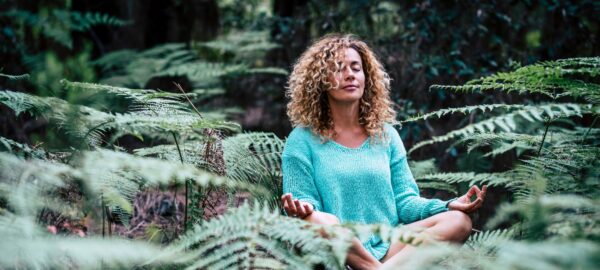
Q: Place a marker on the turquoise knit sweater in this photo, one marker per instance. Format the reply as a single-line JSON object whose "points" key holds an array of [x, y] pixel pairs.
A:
{"points": [[365, 185]]}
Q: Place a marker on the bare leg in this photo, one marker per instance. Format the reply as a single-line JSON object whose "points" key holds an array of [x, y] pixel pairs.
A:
{"points": [[358, 257], [453, 226]]}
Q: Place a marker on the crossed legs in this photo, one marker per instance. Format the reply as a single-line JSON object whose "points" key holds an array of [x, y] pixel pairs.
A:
{"points": [[453, 226], [358, 257]]}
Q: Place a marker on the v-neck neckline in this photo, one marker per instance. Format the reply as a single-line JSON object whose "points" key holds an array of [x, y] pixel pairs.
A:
{"points": [[361, 146]]}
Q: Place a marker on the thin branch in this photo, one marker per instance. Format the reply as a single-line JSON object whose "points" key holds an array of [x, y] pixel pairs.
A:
{"points": [[185, 205], [188, 99], [589, 129], [544, 137]]}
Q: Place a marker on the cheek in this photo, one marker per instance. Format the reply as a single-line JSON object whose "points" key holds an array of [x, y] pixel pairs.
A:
{"points": [[361, 78]]}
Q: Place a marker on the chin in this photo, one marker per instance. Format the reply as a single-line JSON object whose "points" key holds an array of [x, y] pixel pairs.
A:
{"points": [[347, 99]]}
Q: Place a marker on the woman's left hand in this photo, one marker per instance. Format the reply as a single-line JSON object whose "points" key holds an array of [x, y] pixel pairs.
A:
{"points": [[465, 204]]}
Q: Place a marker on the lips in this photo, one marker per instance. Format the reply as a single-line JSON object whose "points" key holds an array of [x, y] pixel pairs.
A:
{"points": [[350, 87]]}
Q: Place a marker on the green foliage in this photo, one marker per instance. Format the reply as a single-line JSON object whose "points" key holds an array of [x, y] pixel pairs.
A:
{"points": [[48, 68], [552, 215], [555, 79], [19, 149], [152, 113], [57, 24], [579, 254], [15, 77], [251, 237], [501, 142], [553, 185], [255, 158], [464, 110], [245, 47], [27, 246], [200, 65], [531, 114]]}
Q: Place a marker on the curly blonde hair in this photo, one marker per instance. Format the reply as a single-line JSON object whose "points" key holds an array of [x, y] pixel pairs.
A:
{"points": [[308, 85]]}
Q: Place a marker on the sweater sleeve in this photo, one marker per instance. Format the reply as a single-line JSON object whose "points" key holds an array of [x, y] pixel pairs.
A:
{"points": [[297, 169], [410, 205]]}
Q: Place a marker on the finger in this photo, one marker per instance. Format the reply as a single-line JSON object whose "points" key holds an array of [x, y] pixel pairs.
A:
{"points": [[308, 208], [286, 207], [283, 200], [471, 192], [299, 209], [474, 205], [474, 191], [483, 191], [291, 205]]}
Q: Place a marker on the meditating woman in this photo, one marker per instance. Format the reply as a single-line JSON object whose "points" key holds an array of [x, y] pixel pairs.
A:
{"points": [[345, 163]]}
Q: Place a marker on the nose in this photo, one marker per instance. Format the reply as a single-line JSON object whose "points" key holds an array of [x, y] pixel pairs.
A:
{"points": [[348, 74]]}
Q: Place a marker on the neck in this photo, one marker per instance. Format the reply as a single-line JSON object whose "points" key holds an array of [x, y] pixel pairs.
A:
{"points": [[345, 115]]}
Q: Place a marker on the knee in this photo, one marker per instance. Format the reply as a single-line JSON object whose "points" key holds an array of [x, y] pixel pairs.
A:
{"points": [[322, 218], [460, 224]]}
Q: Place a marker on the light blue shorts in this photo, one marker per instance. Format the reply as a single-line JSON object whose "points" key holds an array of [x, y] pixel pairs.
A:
{"points": [[377, 247]]}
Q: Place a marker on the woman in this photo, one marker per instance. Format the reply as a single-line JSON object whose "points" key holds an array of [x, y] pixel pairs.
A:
{"points": [[345, 163]]}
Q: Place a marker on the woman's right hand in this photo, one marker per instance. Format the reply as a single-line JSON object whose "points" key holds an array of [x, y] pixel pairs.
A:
{"points": [[296, 208]]}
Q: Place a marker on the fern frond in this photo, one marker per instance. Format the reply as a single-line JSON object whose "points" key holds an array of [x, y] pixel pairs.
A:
{"points": [[572, 77], [147, 99], [548, 255], [246, 46], [226, 46], [422, 167], [153, 172], [509, 255], [246, 234], [464, 110], [135, 69], [26, 186], [85, 21], [21, 102], [20, 149], [427, 167], [58, 23], [163, 49], [26, 246], [116, 178], [437, 185], [491, 179], [501, 142], [267, 70], [255, 158], [532, 206], [192, 153], [508, 122], [114, 61], [15, 77], [488, 239], [162, 117], [199, 71]]}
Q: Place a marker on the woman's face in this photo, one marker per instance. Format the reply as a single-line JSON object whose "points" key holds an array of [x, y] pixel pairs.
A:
{"points": [[348, 84]]}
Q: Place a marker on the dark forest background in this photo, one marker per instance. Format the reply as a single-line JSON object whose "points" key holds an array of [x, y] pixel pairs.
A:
{"points": [[420, 43]]}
